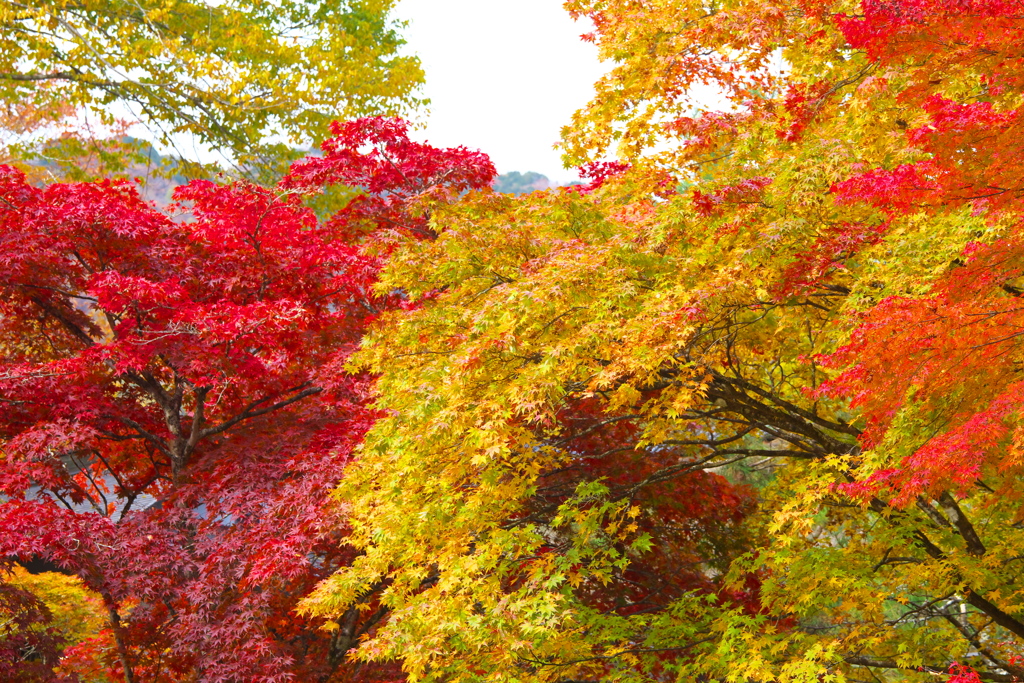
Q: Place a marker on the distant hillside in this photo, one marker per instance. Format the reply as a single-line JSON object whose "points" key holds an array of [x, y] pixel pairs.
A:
{"points": [[521, 183], [70, 158], [524, 183]]}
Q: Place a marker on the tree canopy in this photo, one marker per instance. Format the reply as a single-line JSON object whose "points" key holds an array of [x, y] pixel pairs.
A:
{"points": [[743, 407], [814, 284], [175, 407], [247, 80]]}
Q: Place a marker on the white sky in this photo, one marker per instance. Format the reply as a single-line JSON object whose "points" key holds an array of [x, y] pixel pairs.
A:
{"points": [[502, 77]]}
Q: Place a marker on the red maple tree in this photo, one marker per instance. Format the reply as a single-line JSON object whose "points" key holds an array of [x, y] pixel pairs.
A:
{"points": [[175, 407]]}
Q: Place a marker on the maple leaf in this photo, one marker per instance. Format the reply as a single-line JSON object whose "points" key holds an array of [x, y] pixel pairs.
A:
{"points": [[177, 407]]}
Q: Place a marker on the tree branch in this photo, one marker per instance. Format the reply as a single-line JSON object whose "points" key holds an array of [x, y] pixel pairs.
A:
{"points": [[250, 411]]}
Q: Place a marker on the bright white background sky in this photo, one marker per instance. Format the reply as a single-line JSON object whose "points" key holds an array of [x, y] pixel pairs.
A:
{"points": [[502, 76]]}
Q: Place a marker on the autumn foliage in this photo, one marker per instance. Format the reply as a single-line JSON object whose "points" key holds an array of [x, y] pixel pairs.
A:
{"points": [[240, 78], [743, 407], [175, 402], [803, 298]]}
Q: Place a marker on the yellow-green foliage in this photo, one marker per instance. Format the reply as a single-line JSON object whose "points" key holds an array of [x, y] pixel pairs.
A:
{"points": [[77, 612], [247, 78], [696, 292]]}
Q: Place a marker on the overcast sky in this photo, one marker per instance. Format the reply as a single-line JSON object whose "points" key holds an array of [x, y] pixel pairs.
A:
{"points": [[502, 77]]}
